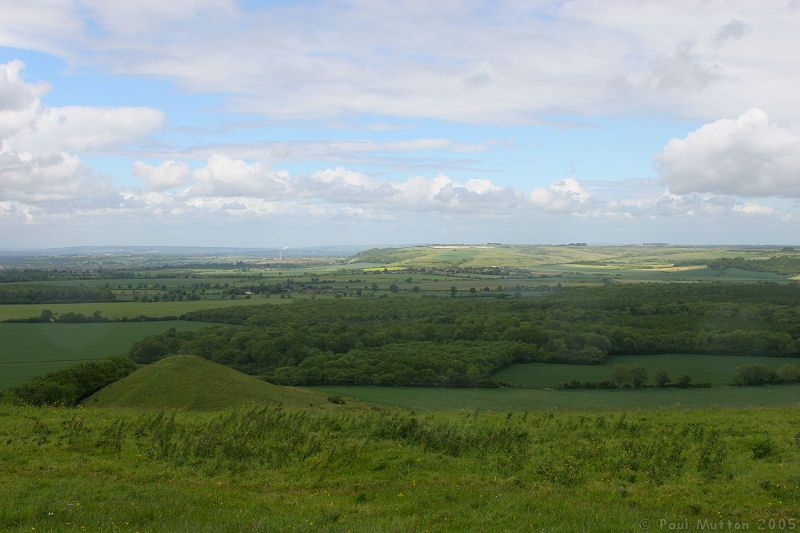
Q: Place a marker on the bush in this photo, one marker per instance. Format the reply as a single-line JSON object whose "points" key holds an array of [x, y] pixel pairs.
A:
{"points": [[763, 448], [662, 379], [788, 373], [751, 375]]}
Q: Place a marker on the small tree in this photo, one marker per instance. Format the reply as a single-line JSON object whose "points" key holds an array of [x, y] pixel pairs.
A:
{"points": [[684, 381], [621, 374], [662, 379], [393, 288], [638, 376], [788, 373]]}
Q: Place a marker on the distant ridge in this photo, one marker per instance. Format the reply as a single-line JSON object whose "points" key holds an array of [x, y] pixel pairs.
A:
{"points": [[209, 251]]}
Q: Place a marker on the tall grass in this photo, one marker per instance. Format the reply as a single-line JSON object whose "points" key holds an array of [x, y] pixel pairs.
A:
{"points": [[401, 470]]}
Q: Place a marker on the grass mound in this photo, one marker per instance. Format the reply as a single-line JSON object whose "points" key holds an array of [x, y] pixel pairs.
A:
{"points": [[194, 383]]}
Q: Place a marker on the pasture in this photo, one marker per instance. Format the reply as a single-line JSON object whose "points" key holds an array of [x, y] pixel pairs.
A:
{"points": [[714, 369], [30, 350], [434, 399]]}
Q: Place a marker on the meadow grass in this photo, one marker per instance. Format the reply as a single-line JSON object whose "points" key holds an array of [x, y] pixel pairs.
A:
{"points": [[714, 369], [278, 469], [30, 350]]}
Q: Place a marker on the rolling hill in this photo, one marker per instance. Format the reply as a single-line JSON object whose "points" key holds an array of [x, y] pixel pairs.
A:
{"points": [[193, 383]]}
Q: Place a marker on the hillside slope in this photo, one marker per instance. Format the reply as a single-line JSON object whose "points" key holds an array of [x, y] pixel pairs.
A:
{"points": [[194, 383]]}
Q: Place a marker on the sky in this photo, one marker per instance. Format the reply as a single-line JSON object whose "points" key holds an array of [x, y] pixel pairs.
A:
{"points": [[368, 122]]}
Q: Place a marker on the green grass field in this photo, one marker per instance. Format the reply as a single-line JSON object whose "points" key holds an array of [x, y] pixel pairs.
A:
{"points": [[370, 470], [714, 369], [425, 398], [115, 310], [34, 349], [194, 383]]}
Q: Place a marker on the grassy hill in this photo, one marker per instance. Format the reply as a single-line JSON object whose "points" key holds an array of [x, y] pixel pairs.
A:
{"points": [[194, 383], [603, 259], [304, 470]]}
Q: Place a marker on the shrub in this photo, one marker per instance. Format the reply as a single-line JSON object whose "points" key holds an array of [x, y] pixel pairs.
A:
{"points": [[763, 448], [750, 375], [336, 399], [788, 373]]}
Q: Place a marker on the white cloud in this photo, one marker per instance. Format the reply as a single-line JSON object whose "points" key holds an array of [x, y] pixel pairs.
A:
{"points": [[223, 176], [492, 62], [19, 101], [39, 145], [477, 196], [342, 185], [345, 151], [81, 129], [28, 126], [53, 177], [132, 18], [746, 156], [563, 196], [16, 212], [164, 176], [752, 208]]}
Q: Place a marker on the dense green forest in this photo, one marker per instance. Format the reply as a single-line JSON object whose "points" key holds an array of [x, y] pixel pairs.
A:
{"points": [[786, 265], [41, 294], [462, 341]]}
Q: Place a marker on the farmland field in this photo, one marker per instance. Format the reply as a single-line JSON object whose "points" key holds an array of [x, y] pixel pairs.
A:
{"points": [[116, 310], [433, 399], [533, 257], [714, 369], [30, 350]]}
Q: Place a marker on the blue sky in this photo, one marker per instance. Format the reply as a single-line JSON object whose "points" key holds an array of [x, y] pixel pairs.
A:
{"points": [[216, 122]]}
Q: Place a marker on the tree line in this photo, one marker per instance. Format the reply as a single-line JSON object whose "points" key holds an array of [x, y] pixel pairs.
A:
{"points": [[70, 386], [464, 341], [40, 294]]}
